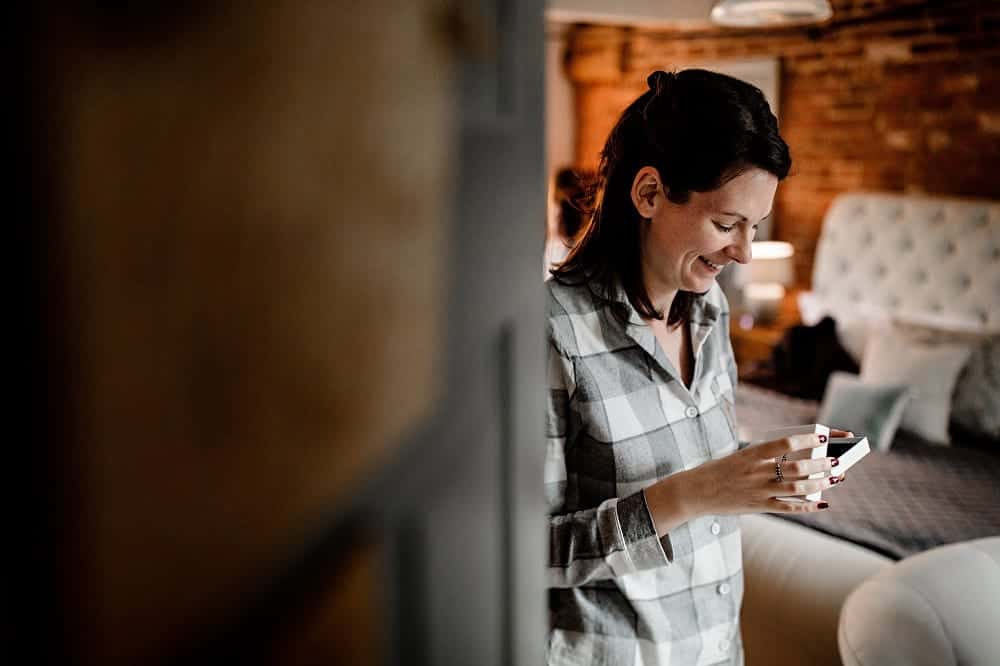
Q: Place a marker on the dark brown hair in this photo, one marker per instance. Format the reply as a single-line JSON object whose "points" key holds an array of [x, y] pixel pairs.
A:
{"points": [[569, 192], [699, 129]]}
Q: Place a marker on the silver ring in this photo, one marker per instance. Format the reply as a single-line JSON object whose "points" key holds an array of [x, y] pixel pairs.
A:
{"points": [[778, 476]]}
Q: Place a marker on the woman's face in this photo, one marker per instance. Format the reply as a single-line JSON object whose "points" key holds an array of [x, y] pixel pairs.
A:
{"points": [[685, 246]]}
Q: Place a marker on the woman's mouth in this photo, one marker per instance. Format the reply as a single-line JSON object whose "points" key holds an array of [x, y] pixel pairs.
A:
{"points": [[715, 268]]}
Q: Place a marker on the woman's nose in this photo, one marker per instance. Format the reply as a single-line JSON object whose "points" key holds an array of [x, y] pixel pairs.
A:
{"points": [[740, 252]]}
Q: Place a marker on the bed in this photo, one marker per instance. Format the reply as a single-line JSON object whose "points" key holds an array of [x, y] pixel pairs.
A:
{"points": [[886, 265]]}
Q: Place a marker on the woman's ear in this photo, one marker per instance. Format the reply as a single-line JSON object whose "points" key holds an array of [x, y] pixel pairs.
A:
{"points": [[645, 187]]}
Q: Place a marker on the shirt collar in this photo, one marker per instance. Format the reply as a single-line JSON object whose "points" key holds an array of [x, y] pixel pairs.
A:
{"points": [[704, 316]]}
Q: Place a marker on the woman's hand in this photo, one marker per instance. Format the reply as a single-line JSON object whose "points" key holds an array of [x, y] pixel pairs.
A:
{"points": [[744, 482]]}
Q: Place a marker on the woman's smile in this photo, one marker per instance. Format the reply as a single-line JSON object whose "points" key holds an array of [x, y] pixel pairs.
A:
{"points": [[711, 266]]}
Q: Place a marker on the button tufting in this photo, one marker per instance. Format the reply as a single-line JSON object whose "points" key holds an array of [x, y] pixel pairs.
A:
{"points": [[920, 277], [938, 216], [935, 307]]}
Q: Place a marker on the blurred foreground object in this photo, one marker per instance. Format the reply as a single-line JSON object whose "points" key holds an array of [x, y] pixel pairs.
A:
{"points": [[939, 607], [262, 231]]}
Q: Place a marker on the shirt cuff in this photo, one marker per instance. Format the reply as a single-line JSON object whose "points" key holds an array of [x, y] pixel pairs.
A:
{"points": [[644, 549]]}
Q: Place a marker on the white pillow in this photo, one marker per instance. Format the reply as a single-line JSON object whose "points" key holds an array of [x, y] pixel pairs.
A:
{"points": [[929, 371], [853, 333], [873, 409], [812, 308]]}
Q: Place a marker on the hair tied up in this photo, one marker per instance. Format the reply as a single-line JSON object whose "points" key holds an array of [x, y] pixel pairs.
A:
{"points": [[659, 81]]}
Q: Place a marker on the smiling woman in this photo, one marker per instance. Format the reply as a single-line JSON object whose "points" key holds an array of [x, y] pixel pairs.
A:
{"points": [[686, 245], [644, 474]]}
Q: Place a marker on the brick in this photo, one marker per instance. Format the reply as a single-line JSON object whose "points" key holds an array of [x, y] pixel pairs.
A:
{"points": [[989, 122], [938, 140], [899, 140], [888, 51], [595, 54]]}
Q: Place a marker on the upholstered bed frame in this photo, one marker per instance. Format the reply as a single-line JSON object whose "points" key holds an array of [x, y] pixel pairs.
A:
{"points": [[913, 257], [921, 258]]}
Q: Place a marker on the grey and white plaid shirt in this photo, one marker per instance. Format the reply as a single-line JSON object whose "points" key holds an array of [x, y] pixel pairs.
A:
{"points": [[619, 419]]}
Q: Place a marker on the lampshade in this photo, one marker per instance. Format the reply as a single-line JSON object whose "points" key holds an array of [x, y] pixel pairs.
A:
{"points": [[754, 13], [772, 262]]}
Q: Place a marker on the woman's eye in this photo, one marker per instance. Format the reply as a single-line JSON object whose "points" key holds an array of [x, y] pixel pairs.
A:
{"points": [[723, 228]]}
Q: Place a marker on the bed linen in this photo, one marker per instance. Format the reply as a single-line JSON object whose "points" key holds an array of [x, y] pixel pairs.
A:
{"points": [[908, 500]]}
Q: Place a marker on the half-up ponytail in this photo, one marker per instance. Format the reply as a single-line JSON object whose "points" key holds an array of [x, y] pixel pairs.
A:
{"points": [[659, 81]]}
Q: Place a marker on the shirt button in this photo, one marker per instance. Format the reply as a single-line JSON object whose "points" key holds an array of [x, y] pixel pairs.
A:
{"points": [[723, 588], [724, 645], [691, 412], [716, 528]]}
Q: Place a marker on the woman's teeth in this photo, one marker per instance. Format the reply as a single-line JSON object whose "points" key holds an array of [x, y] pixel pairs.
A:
{"points": [[712, 265]]}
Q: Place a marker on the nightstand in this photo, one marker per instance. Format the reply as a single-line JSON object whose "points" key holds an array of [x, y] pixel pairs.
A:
{"points": [[753, 341]]}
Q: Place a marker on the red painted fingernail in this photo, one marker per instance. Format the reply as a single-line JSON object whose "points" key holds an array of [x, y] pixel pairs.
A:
{"points": [[834, 480], [824, 505], [834, 462]]}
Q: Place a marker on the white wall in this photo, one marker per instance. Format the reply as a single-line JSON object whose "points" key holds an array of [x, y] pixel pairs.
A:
{"points": [[560, 110]]}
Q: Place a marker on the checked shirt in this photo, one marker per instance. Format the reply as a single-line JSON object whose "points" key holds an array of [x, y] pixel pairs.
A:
{"points": [[619, 419]]}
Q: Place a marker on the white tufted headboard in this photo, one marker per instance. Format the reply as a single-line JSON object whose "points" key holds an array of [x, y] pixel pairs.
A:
{"points": [[921, 258]]}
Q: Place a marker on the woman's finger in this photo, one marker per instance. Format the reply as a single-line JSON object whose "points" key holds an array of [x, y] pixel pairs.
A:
{"points": [[778, 447], [800, 469], [803, 487], [785, 506]]}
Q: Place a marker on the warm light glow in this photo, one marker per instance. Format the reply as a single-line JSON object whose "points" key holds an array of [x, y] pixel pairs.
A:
{"points": [[771, 250], [771, 262], [764, 300], [764, 292]]}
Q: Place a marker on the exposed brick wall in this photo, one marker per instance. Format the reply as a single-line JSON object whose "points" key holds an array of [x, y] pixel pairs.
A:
{"points": [[890, 95]]}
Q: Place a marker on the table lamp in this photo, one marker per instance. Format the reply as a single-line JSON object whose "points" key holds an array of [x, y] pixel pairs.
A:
{"points": [[769, 272]]}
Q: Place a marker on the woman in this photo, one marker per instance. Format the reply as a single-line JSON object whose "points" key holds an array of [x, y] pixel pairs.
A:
{"points": [[644, 475]]}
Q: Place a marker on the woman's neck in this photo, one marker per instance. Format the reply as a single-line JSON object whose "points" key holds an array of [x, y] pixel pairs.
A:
{"points": [[661, 295]]}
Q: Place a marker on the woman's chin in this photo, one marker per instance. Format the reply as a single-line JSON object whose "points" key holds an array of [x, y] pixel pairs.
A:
{"points": [[698, 285]]}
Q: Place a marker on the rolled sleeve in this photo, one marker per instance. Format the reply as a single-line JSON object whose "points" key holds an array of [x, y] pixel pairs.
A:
{"points": [[615, 539]]}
